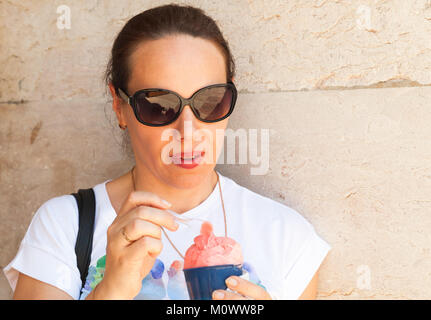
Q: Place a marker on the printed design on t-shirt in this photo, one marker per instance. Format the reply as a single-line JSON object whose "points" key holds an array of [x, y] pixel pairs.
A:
{"points": [[153, 285], [177, 288]]}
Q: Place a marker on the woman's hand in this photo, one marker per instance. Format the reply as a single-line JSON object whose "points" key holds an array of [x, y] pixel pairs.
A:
{"points": [[245, 290], [133, 244]]}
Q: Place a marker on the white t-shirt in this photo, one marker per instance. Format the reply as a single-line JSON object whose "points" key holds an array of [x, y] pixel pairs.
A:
{"points": [[281, 249]]}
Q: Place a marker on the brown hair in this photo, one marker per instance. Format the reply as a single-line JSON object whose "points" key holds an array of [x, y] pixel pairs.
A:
{"points": [[153, 24]]}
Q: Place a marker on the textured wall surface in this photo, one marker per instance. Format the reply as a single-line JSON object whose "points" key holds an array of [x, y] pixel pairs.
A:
{"points": [[343, 87]]}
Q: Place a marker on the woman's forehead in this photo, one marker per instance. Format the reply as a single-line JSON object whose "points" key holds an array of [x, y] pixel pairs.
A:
{"points": [[176, 63]]}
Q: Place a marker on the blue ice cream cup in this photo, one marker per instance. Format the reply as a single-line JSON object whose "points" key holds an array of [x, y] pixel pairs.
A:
{"points": [[202, 281]]}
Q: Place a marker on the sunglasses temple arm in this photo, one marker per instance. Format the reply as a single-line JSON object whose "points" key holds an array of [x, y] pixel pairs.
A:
{"points": [[124, 96]]}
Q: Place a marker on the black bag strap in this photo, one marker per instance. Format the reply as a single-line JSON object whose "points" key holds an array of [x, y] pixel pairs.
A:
{"points": [[84, 241]]}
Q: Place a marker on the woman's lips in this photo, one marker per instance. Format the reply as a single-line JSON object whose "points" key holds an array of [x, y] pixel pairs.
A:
{"points": [[188, 160]]}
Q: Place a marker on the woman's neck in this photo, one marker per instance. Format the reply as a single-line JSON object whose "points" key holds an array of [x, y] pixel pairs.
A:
{"points": [[182, 199]]}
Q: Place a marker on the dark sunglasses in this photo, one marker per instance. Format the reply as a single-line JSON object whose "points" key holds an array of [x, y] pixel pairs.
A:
{"points": [[160, 107]]}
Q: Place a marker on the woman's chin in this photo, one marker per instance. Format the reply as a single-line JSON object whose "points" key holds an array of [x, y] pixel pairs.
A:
{"points": [[188, 178]]}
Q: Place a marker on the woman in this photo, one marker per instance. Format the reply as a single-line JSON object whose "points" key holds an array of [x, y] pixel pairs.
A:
{"points": [[138, 245]]}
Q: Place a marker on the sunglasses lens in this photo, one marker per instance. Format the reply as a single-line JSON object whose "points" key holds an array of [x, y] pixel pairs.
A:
{"points": [[157, 107], [213, 103]]}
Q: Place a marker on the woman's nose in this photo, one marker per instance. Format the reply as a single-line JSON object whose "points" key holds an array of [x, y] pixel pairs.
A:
{"points": [[186, 115], [187, 123]]}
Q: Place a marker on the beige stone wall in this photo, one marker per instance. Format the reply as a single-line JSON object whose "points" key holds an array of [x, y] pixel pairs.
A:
{"points": [[342, 86]]}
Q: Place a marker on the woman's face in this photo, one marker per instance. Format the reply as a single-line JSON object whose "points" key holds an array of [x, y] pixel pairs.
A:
{"points": [[183, 64]]}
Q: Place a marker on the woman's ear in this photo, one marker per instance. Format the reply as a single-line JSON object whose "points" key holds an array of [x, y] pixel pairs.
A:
{"points": [[117, 105], [112, 89]]}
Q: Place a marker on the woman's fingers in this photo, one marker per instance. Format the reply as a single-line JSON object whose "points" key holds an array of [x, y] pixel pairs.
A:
{"points": [[226, 295], [138, 228], [147, 245], [247, 288], [243, 289], [157, 216], [142, 198], [154, 215], [141, 221]]}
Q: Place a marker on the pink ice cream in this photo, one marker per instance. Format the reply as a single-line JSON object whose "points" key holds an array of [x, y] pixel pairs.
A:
{"points": [[209, 250]]}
